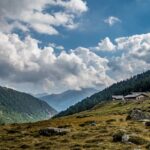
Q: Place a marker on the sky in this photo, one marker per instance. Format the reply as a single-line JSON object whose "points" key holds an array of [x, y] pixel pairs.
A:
{"points": [[56, 45]]}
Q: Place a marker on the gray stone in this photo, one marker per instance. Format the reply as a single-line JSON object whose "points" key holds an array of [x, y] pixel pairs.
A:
{"points": [[125, 138], [138, 115], [53, 131]]}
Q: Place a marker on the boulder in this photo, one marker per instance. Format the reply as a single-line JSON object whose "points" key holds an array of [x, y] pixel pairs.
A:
{"points": [[53, 131], [138, 115], [120, 136], [125, 138]]}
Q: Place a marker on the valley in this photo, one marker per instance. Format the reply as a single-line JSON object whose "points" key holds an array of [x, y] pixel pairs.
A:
{"points": [[93, 129]]}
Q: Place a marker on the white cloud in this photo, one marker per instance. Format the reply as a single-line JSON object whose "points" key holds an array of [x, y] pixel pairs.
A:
{"points": [[24, 62], [30, 14], [134, 58], [130, 55], [105, 45], [111, 20], [76, 6]]}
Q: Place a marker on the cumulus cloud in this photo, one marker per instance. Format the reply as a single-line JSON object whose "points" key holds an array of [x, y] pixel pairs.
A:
{"points": [[31, 14], [76, 6], [105, 45], [111, 20], [130, 55], [134, 58], [25, 62]]}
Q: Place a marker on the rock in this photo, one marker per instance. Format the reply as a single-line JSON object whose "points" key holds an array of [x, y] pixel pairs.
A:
{"points": [[118, 136], [125, 138], [121, 136], [138, 115], [53, 131]]}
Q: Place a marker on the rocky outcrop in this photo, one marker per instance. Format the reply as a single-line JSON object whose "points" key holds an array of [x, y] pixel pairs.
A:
{"points": [[122, 136], [53, 131], [138, 115]]}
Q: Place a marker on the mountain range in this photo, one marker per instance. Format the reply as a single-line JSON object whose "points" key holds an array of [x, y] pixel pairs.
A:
{"points": [[108, 126], [137, 83], [63, 100], [18, 107]]}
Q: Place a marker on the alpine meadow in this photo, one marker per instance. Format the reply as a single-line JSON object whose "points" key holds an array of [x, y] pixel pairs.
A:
{"points": [[75, 75]]}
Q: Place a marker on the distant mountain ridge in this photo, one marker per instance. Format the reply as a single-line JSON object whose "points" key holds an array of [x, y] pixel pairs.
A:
{"points": [[40, 95], [18, 107], [138, 83], [64, 100]]}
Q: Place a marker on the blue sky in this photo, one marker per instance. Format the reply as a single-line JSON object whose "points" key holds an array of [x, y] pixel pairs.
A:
{"points": [[133, 14], [57, 45]]}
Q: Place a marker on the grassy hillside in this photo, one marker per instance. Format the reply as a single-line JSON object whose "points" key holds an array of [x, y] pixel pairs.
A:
{"points": [[109, 118], [20, 107], [138, 83]]}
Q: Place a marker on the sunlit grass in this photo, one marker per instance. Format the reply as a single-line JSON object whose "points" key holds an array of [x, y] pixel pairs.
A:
{"points": [[109, 118]]}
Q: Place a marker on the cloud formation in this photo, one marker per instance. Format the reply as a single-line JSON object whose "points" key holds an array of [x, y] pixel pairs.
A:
{"points": [[51, 67], [111, 20], [134, 57], [26, 15], [25, 62], [105, 45]]}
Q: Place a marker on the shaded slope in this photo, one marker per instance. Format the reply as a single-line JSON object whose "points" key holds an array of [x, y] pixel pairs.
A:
{"points": [[21, 107]]}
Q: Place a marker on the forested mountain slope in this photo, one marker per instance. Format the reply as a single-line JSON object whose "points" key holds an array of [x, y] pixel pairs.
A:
{"points": [[138, 83], [16, 107]]}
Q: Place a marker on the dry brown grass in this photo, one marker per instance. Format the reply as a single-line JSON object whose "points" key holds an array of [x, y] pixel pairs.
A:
{"points": [[109, 118]]}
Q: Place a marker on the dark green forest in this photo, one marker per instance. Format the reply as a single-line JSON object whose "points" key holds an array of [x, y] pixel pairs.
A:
{"points": [[138, 83]]}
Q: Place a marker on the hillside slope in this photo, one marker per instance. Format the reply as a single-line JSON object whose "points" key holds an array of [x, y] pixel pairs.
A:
{"points": [[63, 100], [21, 107], [138, 83], [90, 130]]}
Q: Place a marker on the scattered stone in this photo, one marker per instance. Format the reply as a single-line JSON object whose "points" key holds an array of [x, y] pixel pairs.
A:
{"points": [[138, 115], [125, 138], [121, 136], [118, 136], [53, 131]]}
